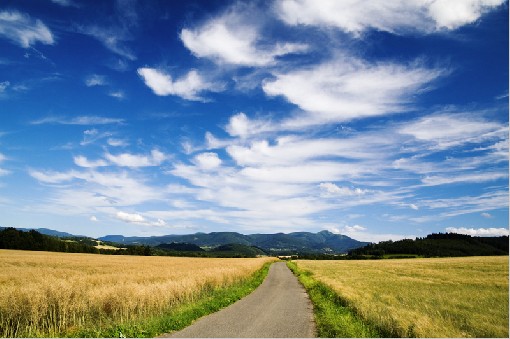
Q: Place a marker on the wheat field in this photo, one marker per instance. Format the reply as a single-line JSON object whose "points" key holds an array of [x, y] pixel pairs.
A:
{"points": [[50, 294], [436, 297]]}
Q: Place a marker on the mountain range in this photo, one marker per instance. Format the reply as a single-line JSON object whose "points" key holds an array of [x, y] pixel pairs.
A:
{"points": [[323, 241], [304, 242]]}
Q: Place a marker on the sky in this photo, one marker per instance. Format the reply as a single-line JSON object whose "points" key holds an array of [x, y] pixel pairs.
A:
{"points": [[374, 119]]}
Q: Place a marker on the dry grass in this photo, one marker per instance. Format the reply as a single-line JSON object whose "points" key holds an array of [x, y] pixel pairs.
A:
{"points": [[50, 294], [439, 297]]}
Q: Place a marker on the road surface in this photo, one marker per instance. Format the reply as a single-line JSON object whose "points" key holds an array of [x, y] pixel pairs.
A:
{"points": [[278, 308]]}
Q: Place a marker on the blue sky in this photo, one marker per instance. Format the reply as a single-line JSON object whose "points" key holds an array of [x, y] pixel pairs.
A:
{"points": [[377, 120]]}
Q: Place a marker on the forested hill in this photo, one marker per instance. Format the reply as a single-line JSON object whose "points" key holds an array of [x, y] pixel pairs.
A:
{"points": [[438, 245]]}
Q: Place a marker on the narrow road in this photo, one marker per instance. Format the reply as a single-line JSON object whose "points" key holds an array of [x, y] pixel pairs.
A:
{"points": [[278, 308]]}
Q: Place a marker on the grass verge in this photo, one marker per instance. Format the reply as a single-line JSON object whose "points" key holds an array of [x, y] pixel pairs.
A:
{"points": [[179, 317], [333, 317]]}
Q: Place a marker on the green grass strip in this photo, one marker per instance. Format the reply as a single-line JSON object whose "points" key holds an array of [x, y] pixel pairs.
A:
{"points": [[333, 317], [181, 316]]}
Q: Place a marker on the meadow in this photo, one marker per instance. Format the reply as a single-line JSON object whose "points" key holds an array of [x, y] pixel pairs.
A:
{"points": [[436, 297], [61, 294]]}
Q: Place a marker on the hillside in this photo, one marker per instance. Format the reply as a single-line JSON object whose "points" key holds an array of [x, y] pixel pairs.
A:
{"points": [[321, 242], [437, 245]]}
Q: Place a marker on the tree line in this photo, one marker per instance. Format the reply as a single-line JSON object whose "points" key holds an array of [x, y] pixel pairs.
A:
{"points": [[437, 245]]}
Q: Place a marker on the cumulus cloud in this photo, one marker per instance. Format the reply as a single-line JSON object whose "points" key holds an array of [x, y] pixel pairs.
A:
{"points": [[480, 232], [93, 218], [233, 38], [135, 218], [207, 161], [21, 29], [130, 217], [400, 17], [348, 88], [188, 87]]}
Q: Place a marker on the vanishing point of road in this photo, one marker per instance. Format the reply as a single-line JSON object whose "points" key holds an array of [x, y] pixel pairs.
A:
{"points": [[278, 308]]}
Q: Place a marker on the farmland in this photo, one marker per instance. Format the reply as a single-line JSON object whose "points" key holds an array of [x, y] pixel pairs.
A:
{"points": [[58, 294], [437, 297]]}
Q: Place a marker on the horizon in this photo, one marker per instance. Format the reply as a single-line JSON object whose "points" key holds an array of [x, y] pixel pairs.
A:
{"points": [[154, 118]]}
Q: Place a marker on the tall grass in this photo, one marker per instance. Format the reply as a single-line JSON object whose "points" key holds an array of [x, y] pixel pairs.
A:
{"points": [[54, 294], [439, 297]]}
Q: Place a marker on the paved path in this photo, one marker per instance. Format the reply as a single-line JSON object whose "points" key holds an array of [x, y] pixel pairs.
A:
{"points": [[278, 308]]}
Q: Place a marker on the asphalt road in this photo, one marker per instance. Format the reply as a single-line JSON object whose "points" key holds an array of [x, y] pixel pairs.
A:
{"points": [[278, 308]]}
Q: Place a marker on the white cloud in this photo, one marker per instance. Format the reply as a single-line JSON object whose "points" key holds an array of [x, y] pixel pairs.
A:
{"points": [[92, 191], [400, 17], [23, 30], [135, 218], [92, 135], [155, 158], [497, 199], [3, 86], [414, 207], [331, 189], [118, 31], [95, 80], [117, 142], [241, 126], [117, 94], [81, 120], [53, 177], [480, 232], [188, 87], [347, 89], [486, 215], [84, 162], [65, 3], [234, 38], [451, 14], [464, 178], [362, 233], [207, 161], [93, 218], [3, 171], [130, 217], [444, 130]]}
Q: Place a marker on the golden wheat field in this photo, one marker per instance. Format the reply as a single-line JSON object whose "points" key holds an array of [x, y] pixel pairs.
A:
{"points": [[436, 297], [44, 293]]}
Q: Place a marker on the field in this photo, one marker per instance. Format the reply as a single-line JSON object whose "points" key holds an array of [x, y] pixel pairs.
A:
{"points": [[57, 294], [437, 297]]}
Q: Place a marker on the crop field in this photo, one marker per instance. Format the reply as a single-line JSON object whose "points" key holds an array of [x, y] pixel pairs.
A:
{"points": [[436, 297], [52, 294]]}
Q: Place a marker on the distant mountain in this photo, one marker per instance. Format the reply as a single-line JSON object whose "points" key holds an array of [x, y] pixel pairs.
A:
{"points": [[322, 242], [47, 231]]}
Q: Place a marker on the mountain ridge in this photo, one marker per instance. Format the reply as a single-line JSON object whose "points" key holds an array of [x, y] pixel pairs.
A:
{"points": [[323, 241]]}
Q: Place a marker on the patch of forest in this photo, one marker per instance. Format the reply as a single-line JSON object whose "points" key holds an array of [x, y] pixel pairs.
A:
{"points": [[435, 245]]}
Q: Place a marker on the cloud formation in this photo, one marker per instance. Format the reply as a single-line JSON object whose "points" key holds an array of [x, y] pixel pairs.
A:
{"points": [[398, 17], [21, 29], [188, 87], [234, 38], [349, 88]]}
